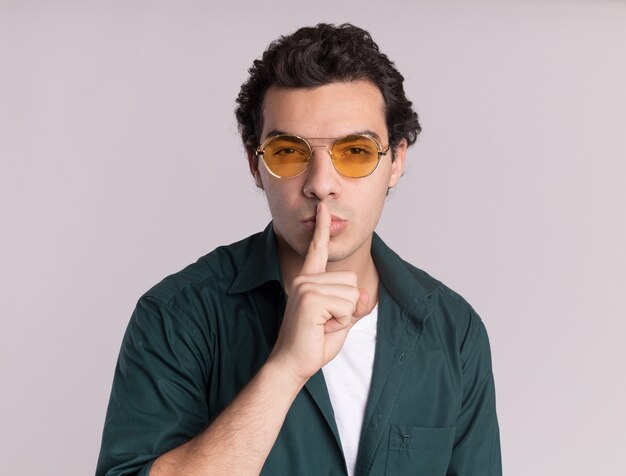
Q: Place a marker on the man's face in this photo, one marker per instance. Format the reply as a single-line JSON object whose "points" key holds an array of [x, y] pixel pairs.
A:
{"points": [[330, 111]]}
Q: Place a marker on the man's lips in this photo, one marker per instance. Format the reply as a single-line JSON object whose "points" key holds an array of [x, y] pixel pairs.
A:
{"points": [[337, 225]]}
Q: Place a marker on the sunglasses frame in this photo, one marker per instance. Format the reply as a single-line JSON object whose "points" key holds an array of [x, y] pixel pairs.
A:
{"points": [[260, 151]]}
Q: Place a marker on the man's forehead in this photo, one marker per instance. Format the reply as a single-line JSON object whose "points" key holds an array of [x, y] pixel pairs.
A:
{"points": [[327, 111], [335, 89]]}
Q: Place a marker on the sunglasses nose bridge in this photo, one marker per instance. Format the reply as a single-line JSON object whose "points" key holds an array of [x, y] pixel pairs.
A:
{"points": [[329, 151], [325, 146]]}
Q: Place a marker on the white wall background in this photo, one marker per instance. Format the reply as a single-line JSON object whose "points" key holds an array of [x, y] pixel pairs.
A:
{"points": [[120, 163]]}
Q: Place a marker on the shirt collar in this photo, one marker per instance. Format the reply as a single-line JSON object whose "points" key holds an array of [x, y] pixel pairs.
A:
{"points": [[407, 285], [261, 265]]}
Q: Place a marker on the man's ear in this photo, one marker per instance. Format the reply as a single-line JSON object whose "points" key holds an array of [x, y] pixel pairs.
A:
{"points": [[397, 165], [253, 163]]}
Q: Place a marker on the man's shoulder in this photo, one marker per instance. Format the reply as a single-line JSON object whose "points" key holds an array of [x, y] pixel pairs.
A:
{"points": [[438, 292], [216, 271], [441, 310], [437, 288], [411, 284], [446, 313]]}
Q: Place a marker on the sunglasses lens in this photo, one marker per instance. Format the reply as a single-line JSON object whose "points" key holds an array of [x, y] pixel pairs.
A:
{"points": [[286, 156], [355, 156]]}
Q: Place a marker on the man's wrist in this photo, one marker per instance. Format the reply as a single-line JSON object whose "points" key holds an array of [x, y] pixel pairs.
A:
{"points": [[276, 370]]}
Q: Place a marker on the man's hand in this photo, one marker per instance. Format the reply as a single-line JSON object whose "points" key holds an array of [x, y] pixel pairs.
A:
{"points": [[321, 308]]}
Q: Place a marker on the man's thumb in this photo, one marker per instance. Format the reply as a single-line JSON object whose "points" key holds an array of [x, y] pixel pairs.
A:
{"points": [[363, 304]]}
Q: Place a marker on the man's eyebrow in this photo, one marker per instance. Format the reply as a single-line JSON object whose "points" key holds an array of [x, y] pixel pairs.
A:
{"points": [[278, 132], [370, 133]]}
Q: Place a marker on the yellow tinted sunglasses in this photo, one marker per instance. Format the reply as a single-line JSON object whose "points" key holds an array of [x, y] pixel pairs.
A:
{"points": [[355, 155]]}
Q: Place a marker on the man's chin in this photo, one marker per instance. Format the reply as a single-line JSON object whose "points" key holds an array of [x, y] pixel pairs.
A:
{"points": [[338, 253]]}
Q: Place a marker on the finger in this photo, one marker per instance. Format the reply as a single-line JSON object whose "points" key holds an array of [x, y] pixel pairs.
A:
{"points": [[320, 292], [317, 256], [347, 278], [335, 325], [338, 309], [362, 308], [363, 304]]}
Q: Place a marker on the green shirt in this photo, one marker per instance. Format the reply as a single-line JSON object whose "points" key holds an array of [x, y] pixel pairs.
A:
{"points": [[199, 336]]}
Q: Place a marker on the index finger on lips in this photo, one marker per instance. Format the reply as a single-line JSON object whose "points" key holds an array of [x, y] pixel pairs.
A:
{"points": [[317, 256]]}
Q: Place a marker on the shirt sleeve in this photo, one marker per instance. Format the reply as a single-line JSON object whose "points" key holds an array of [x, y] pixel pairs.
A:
{"points": [[476, 448], [158, 398]]}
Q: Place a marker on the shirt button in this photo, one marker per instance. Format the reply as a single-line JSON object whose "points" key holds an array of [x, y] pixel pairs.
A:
{"points": [[406, 439]]}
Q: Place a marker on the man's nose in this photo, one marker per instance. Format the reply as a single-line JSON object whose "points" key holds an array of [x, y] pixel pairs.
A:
{"points": [[322, 180]]}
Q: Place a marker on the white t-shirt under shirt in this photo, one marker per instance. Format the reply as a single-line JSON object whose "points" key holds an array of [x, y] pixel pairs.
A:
{"points": [[348, 377]]}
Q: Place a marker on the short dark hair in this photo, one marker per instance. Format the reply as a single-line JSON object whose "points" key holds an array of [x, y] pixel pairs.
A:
{"points": [[323, 54]]}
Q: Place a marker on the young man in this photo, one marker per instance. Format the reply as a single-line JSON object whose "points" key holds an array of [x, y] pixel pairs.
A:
{"points": [[310, 348]]}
